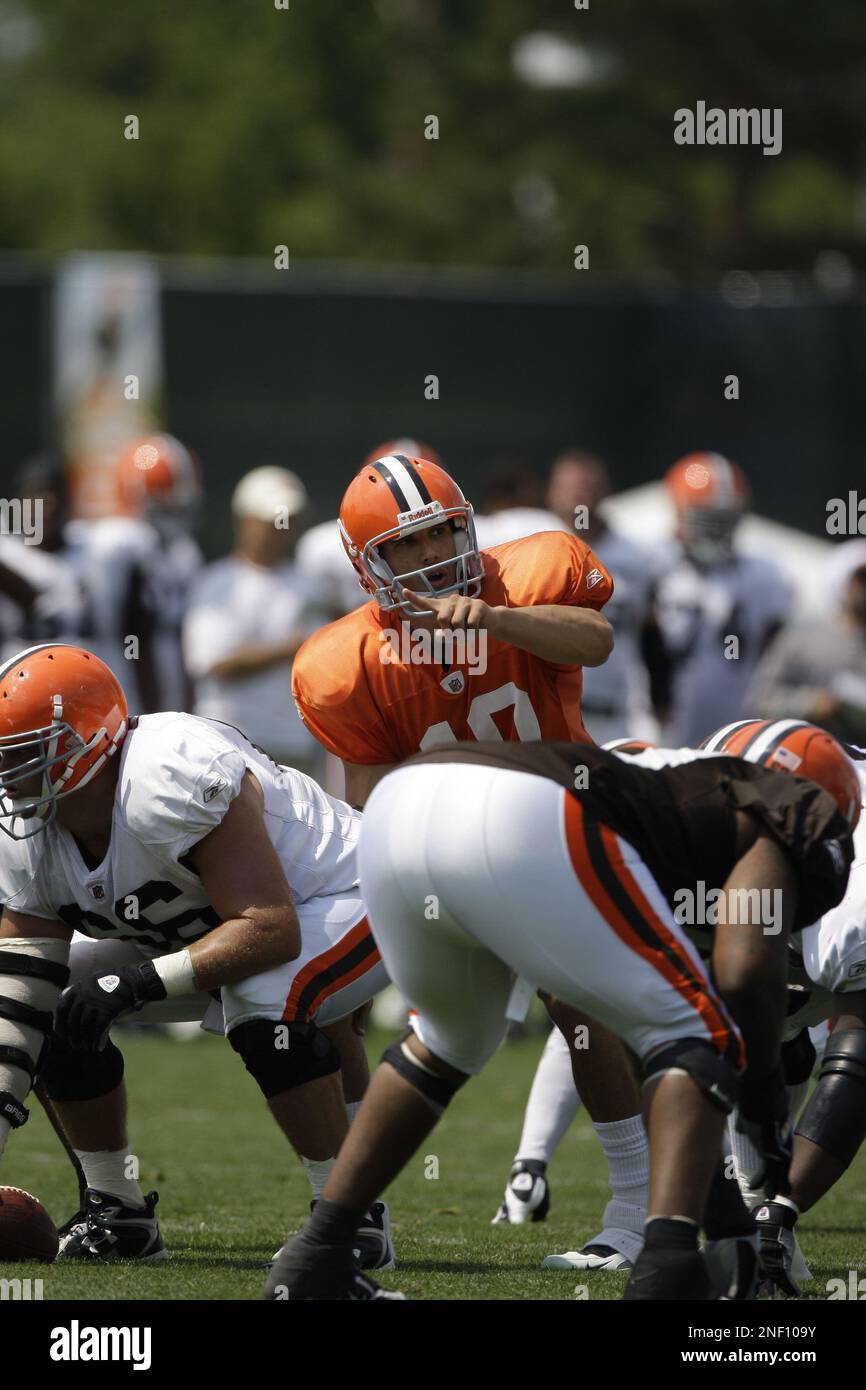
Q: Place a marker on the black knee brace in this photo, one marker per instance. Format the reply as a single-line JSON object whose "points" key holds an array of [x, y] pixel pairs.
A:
{"points": [[700, 1060], [436, 1090], [282, 1056], [835, 1118], [70, 1075]]}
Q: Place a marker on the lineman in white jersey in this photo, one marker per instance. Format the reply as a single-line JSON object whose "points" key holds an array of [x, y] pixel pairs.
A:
{"points": [[191, 863]]}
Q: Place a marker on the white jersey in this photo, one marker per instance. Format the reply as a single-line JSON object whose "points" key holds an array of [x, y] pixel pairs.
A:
{"points": [[834, 949], [616, 700], [61, 611], [698, 610], [321, 559], [514, 524], [236, 604], [178, 776], [118, 554]]}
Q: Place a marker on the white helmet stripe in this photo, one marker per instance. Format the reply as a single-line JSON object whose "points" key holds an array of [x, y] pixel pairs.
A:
{"points": [[403, 479], [772, 735], [714, 743], [13, 661], [723, 477]]}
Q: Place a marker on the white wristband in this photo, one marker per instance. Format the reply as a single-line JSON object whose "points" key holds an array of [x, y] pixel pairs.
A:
{"points": [[176, 973]]}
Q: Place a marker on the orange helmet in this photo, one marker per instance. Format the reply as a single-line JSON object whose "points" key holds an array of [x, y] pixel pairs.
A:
{"points": [[792, 745], [158, 474], [62, 716], [413, 447], [392, 497], [710, 495]]}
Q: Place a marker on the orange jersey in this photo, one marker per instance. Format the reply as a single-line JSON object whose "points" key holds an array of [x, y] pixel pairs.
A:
{"points": [[368, 705]]}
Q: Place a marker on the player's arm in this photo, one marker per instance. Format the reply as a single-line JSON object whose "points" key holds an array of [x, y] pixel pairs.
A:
{"points": [[361, 778], [253, 658], [557, 632], [245, 884]]}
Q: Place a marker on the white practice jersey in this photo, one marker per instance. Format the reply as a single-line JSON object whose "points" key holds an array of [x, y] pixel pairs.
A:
{"points": [[61, 611], [178, 777], [698, 612], [321, 559], [236, 604], [119, 552], [514, 524], [618, 691]]}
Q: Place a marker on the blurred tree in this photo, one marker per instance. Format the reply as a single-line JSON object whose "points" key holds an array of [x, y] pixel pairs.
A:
{"points": [[306, 125]]}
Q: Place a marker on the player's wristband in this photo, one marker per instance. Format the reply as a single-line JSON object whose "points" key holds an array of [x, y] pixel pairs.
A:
{"points": [[176, 973]]}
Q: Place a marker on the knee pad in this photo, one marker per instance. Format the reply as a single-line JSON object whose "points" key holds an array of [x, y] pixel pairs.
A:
{"points": [[437, 1090], [33, 971], [835, 1118], [798, 1059], [283, 1056], [698, 1059], [70, 1075]]}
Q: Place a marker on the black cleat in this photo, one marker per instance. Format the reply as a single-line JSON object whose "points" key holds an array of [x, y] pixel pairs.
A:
{"points": [[669, 1275], [306, 1269], [107, 1229], [778, 1245]]}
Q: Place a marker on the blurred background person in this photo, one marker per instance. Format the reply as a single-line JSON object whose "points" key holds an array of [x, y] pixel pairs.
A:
{"points": [[138, 566], [817, 670], [717, 609], [616, 696], [248, 614], [512, 508], [42, 594]]}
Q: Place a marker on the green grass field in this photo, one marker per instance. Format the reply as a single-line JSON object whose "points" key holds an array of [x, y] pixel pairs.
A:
{"points": [[230, 1188]]}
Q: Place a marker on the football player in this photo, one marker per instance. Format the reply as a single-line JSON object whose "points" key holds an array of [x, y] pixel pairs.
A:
{"points": [[482, 834], [710, 594], [190, 862], [528, 616]]}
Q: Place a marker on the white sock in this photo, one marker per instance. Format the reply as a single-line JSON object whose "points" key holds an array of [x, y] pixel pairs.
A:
{"points": [[553, 1102], [352, 1107], [318, 1172], [627, 1152], [107, 1170]]}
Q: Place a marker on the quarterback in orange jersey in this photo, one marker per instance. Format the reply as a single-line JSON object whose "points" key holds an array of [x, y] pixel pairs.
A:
{"points": [[456, 643], [462, 644]]}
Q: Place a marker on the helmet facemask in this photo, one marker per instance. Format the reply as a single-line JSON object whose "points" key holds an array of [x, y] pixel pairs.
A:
{"points": [[708, 533], [388, 588], [41, 807]]}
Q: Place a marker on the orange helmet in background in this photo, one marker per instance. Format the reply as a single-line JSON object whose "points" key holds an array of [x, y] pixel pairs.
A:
{"points": [[158, 474], [710, 495], [792, 745], [392, 497], [413, 447], [63, 714]]}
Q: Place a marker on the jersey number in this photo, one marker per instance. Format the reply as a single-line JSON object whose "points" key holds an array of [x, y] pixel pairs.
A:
{"points": [[480, 720]]}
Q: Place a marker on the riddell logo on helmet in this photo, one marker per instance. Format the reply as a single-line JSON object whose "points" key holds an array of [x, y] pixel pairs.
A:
{"points": [[432, 509]]}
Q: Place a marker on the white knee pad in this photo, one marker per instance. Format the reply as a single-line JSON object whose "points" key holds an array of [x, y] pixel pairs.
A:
{"points": [[33, 971]]}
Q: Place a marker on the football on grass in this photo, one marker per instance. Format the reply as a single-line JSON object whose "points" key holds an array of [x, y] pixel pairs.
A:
{"points": [[26, 1230]]}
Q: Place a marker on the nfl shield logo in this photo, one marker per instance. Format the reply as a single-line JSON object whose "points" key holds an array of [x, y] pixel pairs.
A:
{"points": [[453, 684], [98, 890]]}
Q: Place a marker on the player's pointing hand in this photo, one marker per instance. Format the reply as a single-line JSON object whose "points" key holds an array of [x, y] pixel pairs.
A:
{"points": [[453, 611]]}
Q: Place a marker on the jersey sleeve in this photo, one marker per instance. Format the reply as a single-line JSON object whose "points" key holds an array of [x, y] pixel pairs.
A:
{"points": [[175, 804], [335, 701], [553, 567]]}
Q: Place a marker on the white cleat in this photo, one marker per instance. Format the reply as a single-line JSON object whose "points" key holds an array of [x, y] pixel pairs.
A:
{"points": [[527, 1196], [612, 1249]]}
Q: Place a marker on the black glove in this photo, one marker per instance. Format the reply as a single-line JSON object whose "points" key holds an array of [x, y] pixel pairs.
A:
{"points": [[87, 1010], [762, 1115]]}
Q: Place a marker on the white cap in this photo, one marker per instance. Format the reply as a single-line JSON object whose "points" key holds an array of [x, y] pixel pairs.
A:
{"points": [[265, 492]]}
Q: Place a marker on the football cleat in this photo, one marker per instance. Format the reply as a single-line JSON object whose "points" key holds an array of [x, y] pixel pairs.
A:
{"points": [[670, 1274], [781, 1259], [527, 1195], [611, 1249], [373, 1247], [106, 1229], [733, 1268], [307, 1269]]}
